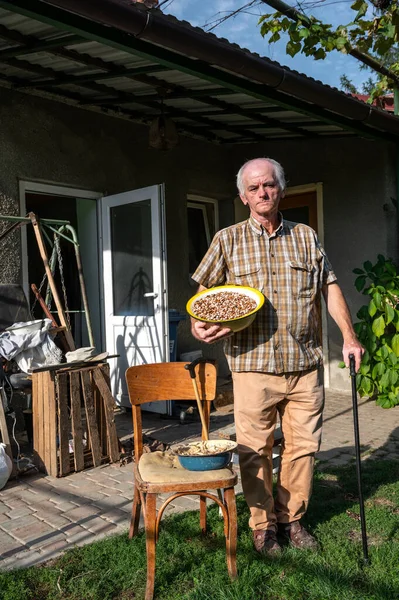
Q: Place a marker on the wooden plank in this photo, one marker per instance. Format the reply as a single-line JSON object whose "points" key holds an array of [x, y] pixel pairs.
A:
{"points": [[109, 404], [76, 419], [169, 381], [5, 437], [101, 420], [91, 418], [63, 423], [37, 403], [52, 439], [50, 279], [46, 422]]}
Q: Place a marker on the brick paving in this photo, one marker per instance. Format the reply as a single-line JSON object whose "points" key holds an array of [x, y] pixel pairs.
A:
{"points": [[41, 516]]}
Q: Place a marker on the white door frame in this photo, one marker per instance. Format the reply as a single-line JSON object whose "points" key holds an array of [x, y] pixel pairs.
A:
{"points": [[156, 194], [40, 187]]}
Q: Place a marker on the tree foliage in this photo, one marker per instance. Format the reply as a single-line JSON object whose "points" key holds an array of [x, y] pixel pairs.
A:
{"points": [[371, 31], [378, 331]]}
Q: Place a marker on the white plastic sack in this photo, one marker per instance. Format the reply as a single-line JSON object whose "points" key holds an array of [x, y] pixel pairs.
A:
{"points": [[5, 466], [30, 345]]}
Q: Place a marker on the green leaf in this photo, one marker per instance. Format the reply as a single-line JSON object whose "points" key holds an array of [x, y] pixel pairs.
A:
{"points": [[364, 369], [367, 385], [367, 265], [385, 379], [372, 308], [393, 359], [378, 370], [304, 33], [377, 299], [274, 38], [292, 48], [358, 272], [320, 54], [360, 282], [395, 344], [389, 314], [341, 43], [378, 326], [341, 365]]}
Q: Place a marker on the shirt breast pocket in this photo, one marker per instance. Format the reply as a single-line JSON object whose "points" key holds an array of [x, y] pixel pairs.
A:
{"points": [[303, 279], [248, 275]]}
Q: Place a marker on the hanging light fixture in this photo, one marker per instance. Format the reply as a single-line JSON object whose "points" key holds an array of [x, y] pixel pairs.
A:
{"points": [[163, 133]]}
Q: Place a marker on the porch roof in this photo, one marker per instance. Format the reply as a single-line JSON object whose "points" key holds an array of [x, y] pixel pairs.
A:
{"points": [[118, 58]]}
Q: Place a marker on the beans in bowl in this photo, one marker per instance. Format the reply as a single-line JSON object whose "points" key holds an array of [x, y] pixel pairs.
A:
{"points": [[223, 306]]}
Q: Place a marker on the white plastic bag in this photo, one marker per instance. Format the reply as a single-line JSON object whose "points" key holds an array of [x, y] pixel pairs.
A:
{"points": [[5, 466]]}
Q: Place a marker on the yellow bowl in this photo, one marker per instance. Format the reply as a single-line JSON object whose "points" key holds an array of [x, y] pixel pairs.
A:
{"points": [[238, 323]]}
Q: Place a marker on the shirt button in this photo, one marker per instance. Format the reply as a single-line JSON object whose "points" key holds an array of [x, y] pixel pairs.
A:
{"points": [[274, 272], [276, 347], [272, 255], [275, 291]]}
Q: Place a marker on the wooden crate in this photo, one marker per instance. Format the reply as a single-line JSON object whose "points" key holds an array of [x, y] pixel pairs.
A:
{"points": [[68, 404]]}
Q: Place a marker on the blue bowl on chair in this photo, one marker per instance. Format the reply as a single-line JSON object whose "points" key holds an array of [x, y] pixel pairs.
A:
{"points": [[205, 456]]}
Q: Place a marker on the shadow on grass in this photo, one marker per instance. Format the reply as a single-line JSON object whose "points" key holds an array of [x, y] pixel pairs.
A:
{"points": [[336, 488], [336, 572]]}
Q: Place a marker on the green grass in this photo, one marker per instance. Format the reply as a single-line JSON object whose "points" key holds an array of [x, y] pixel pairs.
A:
{"points": [[192, 567]]}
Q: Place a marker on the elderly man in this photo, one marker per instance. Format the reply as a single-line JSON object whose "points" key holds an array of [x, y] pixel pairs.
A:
{"points": [[276, 363]]}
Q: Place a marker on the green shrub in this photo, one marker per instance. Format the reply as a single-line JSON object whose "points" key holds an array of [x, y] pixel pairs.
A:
{"points": [[377, 330]]}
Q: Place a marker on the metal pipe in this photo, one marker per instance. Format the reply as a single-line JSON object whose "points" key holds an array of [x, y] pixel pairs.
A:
{"points": [[81, 280], [27, 220]]}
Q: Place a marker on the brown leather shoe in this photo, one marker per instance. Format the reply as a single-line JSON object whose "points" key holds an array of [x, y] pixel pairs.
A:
{"points": [[298, 536], [265, 541]]}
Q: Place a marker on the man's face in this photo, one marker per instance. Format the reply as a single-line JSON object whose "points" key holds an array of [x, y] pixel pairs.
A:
{"points": [[262, 193]]}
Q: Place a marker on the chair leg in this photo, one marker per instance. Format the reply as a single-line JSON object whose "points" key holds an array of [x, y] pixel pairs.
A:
{"points": [[231, 538], [136, 511], [203, 514], [150, 530]]}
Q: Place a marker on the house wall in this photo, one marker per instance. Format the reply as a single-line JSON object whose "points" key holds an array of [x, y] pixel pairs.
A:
{"points": [[359, 214], [55, 143]]}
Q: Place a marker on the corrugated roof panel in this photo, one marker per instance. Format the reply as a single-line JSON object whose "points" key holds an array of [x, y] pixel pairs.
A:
{"points": [[128, 85], [57, 63], [26, 25], [188, 81], [325, 128], [191, 104], [84, 92], [108, 54]]}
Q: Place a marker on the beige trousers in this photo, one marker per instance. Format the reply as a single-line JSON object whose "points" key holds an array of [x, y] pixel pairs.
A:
{"points": [[299, 399]]}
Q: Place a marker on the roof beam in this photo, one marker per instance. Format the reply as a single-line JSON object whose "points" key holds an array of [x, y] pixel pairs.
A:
{"points": [[255, 76], [84, 22], [112, 74], [132, 98], [38, 46]]}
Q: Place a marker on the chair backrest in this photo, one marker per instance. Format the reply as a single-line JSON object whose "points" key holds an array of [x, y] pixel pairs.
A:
{"points": [[167, 381]]}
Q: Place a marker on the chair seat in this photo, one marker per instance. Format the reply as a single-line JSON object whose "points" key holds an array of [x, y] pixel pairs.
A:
{"points": [[162, 467]]}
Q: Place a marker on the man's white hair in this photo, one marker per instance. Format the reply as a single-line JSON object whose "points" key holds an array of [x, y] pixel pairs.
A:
{"points": [[278, 174]]}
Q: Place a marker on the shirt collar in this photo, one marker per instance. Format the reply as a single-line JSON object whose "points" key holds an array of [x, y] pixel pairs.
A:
{"points": [[260, 230]]}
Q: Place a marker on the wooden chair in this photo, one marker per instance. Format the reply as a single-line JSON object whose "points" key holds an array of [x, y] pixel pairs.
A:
{"points": [[160, 473]]}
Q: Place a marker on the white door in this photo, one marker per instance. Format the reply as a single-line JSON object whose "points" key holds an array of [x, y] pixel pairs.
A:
{"points": [[135, 290]]}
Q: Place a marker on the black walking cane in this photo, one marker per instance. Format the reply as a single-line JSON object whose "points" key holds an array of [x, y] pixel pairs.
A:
{"points": [[352, 370]]}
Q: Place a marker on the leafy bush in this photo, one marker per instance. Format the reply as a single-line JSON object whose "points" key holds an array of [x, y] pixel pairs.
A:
{"points": [[377, 330]]}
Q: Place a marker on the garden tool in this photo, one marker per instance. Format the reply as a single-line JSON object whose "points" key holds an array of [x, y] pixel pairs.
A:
{"points": [[352, 370]]}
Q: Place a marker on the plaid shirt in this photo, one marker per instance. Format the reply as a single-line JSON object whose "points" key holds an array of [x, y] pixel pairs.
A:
{"points": [[289, 267]]}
